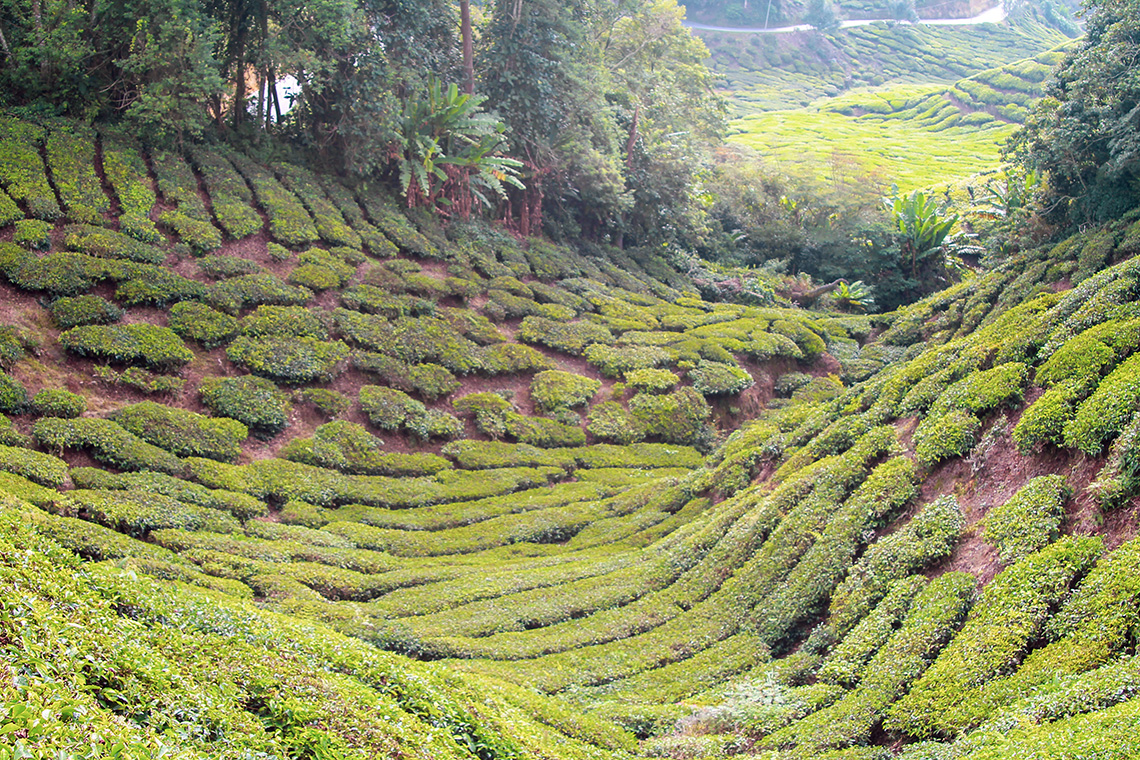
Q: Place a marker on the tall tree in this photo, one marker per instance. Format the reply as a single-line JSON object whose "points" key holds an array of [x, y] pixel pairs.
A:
{"points": [[1084, 136]]}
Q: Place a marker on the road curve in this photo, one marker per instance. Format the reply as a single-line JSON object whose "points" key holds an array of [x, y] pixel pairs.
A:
{"points": [[992, 16]]}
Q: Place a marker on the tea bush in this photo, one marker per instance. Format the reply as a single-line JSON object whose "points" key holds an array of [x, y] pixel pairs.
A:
{"points": [[243, 291], [554, 389], [71, 158], [1046, 418], [183, 432], [83, 310], [99, 241], [284, 321], [948, 435], [140, 380], [33, 233], [568, 337], [253, 401], [610, 421], [351, 449], [1029, 520], [1011, 613], [126, 172], [193, 320], [289, 222], [107, 442], [157, 347], [56, 402], [717, 379], [1102, 415], [220, 267], [289, 359], [678, 417], [513, 359], [37, 467]]}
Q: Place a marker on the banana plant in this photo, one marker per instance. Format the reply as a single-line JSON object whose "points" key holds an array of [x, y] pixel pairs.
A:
{"points": [[922, 224], [450, 150]]}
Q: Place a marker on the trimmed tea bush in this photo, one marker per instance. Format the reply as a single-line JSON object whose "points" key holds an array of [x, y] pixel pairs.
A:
{"points": [[108, 244], [33, 233], [610, 421], [330, 403], [254, 401], [284, 321], [513, 359], [652, 380], [289, 360], [83, 310], [351, 449], [1010, 615], [107, 442], [221, 267], [183, 432], [615, 361], [678, 417], [1046, 418], [555, 389], [1029, 521], [717, 379], [431, 381], [33, 465], [56, 402], [157, 347], [196, 321], [1104, 413], [948, 435], [568, 337], [240, 292]]}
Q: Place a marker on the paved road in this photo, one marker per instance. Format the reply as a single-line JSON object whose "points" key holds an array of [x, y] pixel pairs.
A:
{"points": [[993, 15]]}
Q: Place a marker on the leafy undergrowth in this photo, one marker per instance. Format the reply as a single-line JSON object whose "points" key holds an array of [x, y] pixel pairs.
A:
{"points": [[351, 485]]}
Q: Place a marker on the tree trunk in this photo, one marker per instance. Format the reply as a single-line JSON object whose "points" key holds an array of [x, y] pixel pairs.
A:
{"points": [[4, 47], [632, 138], [810, 297], [468, 48]]}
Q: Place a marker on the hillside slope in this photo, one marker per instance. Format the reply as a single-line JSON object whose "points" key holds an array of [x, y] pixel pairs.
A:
{"points": [[285, 426]]}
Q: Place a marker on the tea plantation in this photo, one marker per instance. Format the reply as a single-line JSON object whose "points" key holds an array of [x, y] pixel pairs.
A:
{"points": [[288, 471]]}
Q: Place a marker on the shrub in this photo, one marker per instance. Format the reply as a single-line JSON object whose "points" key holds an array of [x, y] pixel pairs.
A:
{"points": [[926, 538], [33, 465], [56, 402], [610, 421], [1029, 520], [144, 284], [652, 380], [1104, 413], [193, 320], [330, 223], [289, 222], [137, 512], [948, 435], [157, 347], [930, 623], [717, 379], [1010, 615], [543, 433], [1046, 418], [9, 211], [229, 195], [818, 390], [99, 241], [489, 411], [845, 664], [126, 172], [290, 360], [318, 270], [614, 362], [183, 432], [568, 337], [13, 395], [22, 174], [330, 403], [199, 234], [254, 401], [284, 321], [514, 358], [388, 408], [431, 381], [808, 342], [65, 274], [374, 300], [678, 417], [981, 391], [349, 448], [555, 389], [33, 233], [107, 442], [71, 158], [140, 379], [83, 310], [240, 292]]}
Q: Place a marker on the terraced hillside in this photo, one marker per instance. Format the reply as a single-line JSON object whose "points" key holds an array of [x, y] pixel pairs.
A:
{"points": [[912, 105], [290, 473]]}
